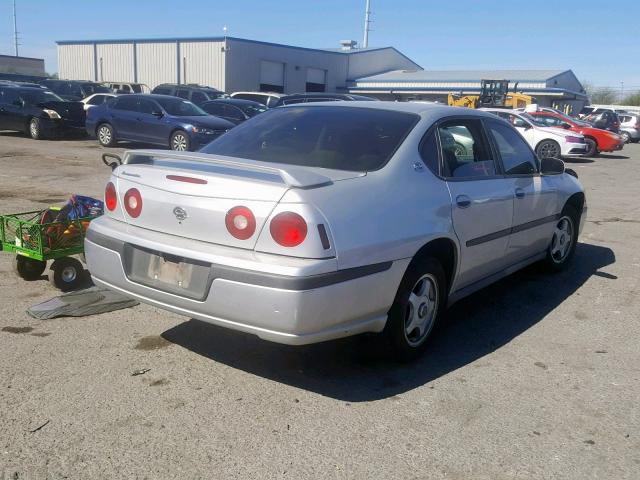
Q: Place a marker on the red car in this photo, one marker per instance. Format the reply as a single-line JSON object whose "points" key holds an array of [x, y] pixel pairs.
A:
{"points": [[597, 139]]}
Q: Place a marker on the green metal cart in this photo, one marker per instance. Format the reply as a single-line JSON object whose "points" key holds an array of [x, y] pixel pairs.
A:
{"points": [[35, 243]]}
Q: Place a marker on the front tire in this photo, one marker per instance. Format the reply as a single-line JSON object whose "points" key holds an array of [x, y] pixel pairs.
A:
{"points": [[67, 274], [180, 141], [416, 309], [35, 129], [625, 136], [105, 134], [592, 148], [548, 149], [563, 240]]}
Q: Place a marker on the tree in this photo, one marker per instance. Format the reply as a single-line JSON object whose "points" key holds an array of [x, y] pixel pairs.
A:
{"points": [[633, 99], [600, 95]]}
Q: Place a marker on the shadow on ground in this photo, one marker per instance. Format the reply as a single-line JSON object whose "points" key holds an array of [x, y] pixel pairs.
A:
{"points": [[348, 369]]}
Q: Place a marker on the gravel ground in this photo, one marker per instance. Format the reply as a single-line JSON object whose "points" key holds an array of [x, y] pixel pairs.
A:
{"points": [[534, 377]]}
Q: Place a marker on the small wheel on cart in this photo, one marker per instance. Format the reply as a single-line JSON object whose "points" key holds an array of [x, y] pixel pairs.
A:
{"points": [[67, 274], [28, 268]]}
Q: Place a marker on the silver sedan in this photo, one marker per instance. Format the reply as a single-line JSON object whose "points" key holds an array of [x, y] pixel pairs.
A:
{"points": [[310, 223]]}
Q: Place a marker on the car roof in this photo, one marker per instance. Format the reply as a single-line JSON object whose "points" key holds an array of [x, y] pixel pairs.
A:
{"points": [[234, 101], [422, 109], [182, 85], [268, 94], [24, 88]]}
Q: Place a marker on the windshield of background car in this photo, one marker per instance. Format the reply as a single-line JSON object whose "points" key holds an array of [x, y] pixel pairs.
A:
{"points": [[91, 88], [253, 110], [39, 96], [180, 108], [136, 88], [341, 138]]}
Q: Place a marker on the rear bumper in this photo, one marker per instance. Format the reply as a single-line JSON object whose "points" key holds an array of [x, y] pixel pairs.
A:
{"points": [[291, 301]]}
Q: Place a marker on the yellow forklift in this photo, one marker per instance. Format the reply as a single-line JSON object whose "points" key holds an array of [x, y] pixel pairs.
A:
{"points": [[493, 94]]}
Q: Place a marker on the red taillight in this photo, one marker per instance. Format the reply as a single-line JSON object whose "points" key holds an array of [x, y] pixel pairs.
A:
{"points": [[133, 202], [240, 222], [288, 229], [110, 197]]}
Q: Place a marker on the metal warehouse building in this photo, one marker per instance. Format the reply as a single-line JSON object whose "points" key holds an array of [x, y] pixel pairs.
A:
{"points": [[226, 63], [551, 88]]}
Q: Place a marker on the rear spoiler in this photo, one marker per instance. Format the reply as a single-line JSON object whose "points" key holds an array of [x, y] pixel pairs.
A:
{"points": [[291, 176]]}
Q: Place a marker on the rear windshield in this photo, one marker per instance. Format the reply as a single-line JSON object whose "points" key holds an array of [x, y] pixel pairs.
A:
{"points": [[341, 138], [91, 88]]}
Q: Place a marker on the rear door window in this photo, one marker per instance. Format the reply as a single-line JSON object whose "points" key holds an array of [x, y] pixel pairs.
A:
{"points": [[354, 139], [465, 150], [182, 93]]}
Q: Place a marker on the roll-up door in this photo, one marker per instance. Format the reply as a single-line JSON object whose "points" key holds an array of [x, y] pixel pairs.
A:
{"points": [[271, 76], [316, 80]]}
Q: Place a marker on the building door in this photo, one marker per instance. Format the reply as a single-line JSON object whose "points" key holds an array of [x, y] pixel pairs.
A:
{"points": [[271, 76], [316, 80]]}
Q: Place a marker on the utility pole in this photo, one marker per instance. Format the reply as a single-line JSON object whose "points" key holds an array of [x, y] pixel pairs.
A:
{"points": [[367, 13], [15, 28]]}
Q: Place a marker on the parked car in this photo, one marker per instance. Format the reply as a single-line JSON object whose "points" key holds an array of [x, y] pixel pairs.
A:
{"points": [[596, 139], [605, 120], [309, 223], [195, 93], [320, 97], [155, 119], [233, 109], [74, 90], [39, 112], [268, 99], [127, 87], [630, 127], [96, 99], [547, 142]]}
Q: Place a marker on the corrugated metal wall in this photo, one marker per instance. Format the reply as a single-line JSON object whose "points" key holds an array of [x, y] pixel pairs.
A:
{"points": [[244, 59], [203, 63], [157, 63], [76, 62], [115, 62]]}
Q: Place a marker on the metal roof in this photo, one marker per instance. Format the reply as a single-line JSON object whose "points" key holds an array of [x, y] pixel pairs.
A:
{"points": [[461, 75]]}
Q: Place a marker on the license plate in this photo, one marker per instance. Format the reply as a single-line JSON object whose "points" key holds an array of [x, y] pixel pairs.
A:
{"points": [[176, 275]]}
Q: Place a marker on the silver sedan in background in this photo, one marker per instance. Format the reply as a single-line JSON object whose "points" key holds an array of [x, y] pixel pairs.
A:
{"points": [[310, 223]]}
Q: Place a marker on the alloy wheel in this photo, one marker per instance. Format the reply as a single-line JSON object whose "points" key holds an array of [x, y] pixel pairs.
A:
{"points": [[34, 130], [549, 150], [421, 310], [562, 240], [179, 142], [104, 135]]}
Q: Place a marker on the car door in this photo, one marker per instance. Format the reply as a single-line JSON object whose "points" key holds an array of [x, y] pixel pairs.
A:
{"points": [[535, 196], [151, 128], [482, 201], [12, 111], [123, 117]]}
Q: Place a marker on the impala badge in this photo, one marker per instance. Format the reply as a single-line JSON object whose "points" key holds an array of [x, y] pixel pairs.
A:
{"points": [[180, 213]]}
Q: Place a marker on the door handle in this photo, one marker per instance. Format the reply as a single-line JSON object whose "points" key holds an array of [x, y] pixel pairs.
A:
{"points": [[520, 193], [463, 201]]}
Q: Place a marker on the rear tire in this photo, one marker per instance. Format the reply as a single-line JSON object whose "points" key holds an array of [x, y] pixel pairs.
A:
{"points": [[28, 268], [548, 149], [415, 312], [179, 141], [592, 148], [563, 241], [106, 136], [35, 129], [625, 136], [67, 274]]}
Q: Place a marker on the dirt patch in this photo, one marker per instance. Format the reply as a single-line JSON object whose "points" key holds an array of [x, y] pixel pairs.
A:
{"points": [[17, 329], [153, 342], [613, 220], [159, 382], [41, 334]]}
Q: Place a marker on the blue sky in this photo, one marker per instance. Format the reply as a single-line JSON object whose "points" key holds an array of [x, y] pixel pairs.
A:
{"points": [[597, 39]]}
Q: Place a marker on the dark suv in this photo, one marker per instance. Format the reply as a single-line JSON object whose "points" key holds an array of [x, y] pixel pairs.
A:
{"points": [[605, 120], [197, 94], [74, 90], [39, 112]]}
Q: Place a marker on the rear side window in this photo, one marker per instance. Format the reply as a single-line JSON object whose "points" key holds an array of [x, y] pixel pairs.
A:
{"points": [[96, 100], [126, 103], [342, 138], [465, 150], [517, 157], [429, 152]]}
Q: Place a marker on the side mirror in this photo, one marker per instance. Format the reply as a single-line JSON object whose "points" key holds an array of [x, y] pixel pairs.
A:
{"points": [[566, 126], [157, 114], [111, 165], [551, 166]]}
